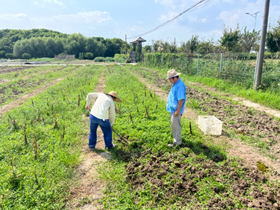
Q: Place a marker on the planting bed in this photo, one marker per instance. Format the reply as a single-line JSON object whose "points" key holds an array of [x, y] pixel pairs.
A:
{"points": [[40, 143], [254, 127], [198, 183], [4, 69], [12, 90], [149, 175]]}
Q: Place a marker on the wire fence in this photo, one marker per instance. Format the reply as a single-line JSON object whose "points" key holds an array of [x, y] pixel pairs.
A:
{"points": [[227, 67]]}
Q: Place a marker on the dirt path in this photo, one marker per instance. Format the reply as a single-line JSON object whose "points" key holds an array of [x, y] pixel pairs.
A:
{"points": [[243, 101], [257, 106], [234, 147], [88, 190]]}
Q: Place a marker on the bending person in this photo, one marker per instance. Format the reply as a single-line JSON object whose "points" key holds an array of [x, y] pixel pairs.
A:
{"points": [[102, 114]]}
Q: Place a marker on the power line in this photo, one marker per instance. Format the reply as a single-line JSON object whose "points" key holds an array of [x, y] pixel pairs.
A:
{"points": [[198, 5]]}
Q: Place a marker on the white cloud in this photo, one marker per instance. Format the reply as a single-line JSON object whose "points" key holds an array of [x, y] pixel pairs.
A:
{"points": [[93, 17], [230, 18], [204, 20], [14, 17], [45, 2], [171, 4], [167, 17], [73, 23]]}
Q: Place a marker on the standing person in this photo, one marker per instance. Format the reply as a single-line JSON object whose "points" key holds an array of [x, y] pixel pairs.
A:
{"points": [[103, 114], [175, 105]]}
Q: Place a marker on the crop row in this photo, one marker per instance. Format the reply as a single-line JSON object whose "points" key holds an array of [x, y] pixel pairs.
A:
{"points": [[249, 125], [18, 72], [40, 143], [14, 70], [148, 174], [13, 89]]}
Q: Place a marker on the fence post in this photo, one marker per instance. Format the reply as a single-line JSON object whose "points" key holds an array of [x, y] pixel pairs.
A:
{"points": [[256, 70], [198, 65], [221, 65]]}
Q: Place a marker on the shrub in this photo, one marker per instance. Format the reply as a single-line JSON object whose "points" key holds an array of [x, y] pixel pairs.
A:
{"points": [[128, 60], [89, 55], [267, 55], [81, 56], [252, 56], [242, 56], [99, 59], [9, 55], [109, 59], [26, 56], [120, 58]]}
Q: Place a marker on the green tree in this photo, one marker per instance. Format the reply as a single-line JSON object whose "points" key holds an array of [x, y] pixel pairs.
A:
{"points": [[9, 55], [230, 39], [273, 38], [193, 43], [95, 47], [26, 56], [205, 47], [156, 45], [75, 44], [89, 55], [147, 48], [249, 40], [22, 46], [50, 47], [59, 46], [113, 46]]}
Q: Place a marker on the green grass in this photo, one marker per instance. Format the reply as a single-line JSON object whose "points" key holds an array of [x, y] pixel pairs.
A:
{"points": [[37, 157], [15, 88]]}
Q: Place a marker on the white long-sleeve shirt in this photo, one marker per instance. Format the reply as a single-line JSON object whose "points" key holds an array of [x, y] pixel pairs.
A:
{"points": [[103, 108]]}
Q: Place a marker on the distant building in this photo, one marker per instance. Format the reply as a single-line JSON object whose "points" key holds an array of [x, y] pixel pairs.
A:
{"points": [[136, 42]]}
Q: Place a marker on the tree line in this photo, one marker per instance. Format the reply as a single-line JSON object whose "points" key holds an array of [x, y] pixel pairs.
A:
{"points": [[37, 43], [233, 40]]}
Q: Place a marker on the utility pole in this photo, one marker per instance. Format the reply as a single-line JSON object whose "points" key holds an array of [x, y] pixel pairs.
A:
{"points": [[261, 50]]}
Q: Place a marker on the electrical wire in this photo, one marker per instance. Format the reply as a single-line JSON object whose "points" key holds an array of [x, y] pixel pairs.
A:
{"points": [[194, 7]]}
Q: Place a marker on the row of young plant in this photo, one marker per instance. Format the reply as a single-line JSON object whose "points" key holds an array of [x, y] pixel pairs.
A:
{"points": [[18, 72], [228, 110], [40, 144], [238, 72], [268, 97], [15, 88], [148, 174]]}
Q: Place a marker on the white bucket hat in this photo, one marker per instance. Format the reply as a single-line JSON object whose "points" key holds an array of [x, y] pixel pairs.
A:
{"points": [[172, 73]]}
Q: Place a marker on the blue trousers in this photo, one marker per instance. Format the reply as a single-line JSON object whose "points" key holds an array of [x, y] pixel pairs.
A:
{"points": [[106, 129]]}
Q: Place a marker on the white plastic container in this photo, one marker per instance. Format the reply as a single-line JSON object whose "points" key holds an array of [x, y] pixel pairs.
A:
{"points": [[210, 125]]}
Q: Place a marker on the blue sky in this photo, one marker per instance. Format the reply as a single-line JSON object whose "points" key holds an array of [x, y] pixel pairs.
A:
{"points": [[117, 18]]}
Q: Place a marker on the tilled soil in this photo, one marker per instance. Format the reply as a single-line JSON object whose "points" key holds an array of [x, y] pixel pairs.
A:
{"points": [[4, 70], [243, 182], [241, 119], [173, 175], [238, 118]]}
